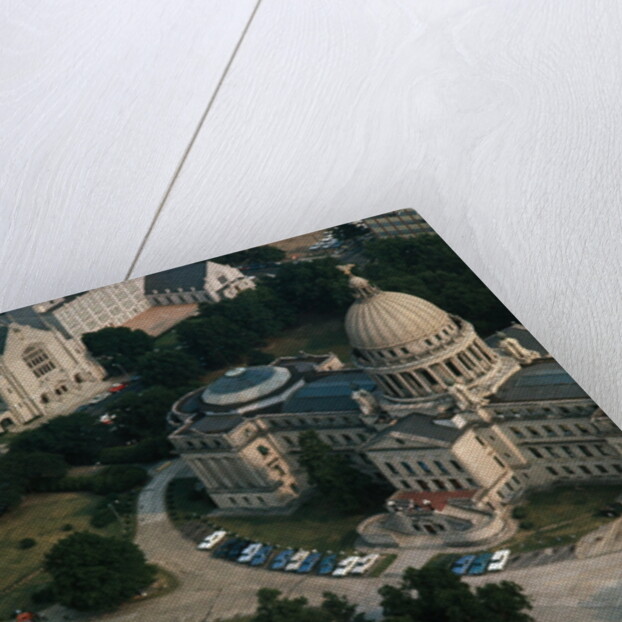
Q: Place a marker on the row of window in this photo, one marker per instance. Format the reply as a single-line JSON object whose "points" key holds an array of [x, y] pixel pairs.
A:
{"points": [[436, 484], [569, 451], [247, 500], [334, 439], [509, 488], [297, 422], [423, 468], [600, 469], [575, 429]]}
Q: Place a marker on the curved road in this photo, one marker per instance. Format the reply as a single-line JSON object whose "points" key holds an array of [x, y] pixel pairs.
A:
{"points": [[587, 590]]}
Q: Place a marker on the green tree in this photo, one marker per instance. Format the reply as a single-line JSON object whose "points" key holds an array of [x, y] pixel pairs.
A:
{"points": [[215, 341], [31, 470], [312, 287], [75, 437], [118, 346], [443, 597], [272, 608], [143, 415], [257, 255], [169, 368], [425, 266], [93, 573], [333, 476], [349, 231]]}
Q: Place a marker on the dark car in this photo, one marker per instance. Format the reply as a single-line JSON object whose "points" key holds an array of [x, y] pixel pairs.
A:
{"points": [[237, 548], [222, 550], [461, 565], [281, 560], [262, 556], [480, 564], [309, 563], [328, 564]]}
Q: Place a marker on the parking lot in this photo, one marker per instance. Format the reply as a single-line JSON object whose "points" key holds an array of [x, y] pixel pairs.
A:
{"points": [[541, 557]]}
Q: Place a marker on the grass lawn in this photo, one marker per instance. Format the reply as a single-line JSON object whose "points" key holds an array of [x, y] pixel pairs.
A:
{"points": [[167, 340], [314, 525], [41, 517], [382, 565], [562, 515], [317, 335]]}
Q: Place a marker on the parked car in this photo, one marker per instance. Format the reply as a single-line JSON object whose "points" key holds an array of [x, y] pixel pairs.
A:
{"points": [[249, 552], [296, 561], [209, 542], [461, 565], [499, 560], [480, 564], [327, 565], [282, 559], [118, 386], [98, 398], [309, 563], [223, 550], [237, 548], [365, 563], [262, 556], [345, 566]]}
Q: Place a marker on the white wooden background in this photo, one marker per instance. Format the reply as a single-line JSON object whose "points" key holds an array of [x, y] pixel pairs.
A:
{"points": [[138, 136]]}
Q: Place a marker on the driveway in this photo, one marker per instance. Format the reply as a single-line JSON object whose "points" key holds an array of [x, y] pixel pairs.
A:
{"points": [[570, 590]]}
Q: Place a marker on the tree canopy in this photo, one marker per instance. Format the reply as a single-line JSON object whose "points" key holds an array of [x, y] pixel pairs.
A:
{"points": [[443, 597], [425, 266], [256, 255], [349, 231], [331, 473], [94, 573], [168, 368], [118, 346]]}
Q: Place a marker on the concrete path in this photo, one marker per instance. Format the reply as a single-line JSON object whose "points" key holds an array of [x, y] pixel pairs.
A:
{"points": [[585, 590]]}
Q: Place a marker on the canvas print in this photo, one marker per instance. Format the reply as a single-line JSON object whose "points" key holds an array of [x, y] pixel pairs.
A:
{"points": [[346, 426]]}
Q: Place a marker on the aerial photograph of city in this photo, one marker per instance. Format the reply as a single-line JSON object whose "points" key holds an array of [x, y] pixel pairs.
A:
{"points": [[346, 426]]}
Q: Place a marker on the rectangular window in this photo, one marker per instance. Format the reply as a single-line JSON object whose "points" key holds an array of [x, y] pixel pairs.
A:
{"points": [[440, 484], [566, 431], [441, 467], [391, 468], [617, 467], [568, 470], [456, 484], [423, 484], [568, 451], [405, 484], [551, 451], [535, 452], [424, 467], [549, 430], [533, 431], [456, 466], [586, 451], [551, 470], [600, 468], [585, 469], [498, 462], [407, 468]]}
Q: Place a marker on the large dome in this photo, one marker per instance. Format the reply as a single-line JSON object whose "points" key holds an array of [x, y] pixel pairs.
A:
{"points": [[378, 319], [245, 384]]}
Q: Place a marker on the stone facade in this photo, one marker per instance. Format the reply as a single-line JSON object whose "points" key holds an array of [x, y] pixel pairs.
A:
{"points": [[42, 374]]}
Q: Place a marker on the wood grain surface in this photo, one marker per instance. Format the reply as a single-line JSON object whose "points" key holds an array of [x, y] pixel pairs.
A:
{"points": [[499, 121], [98, 101]]}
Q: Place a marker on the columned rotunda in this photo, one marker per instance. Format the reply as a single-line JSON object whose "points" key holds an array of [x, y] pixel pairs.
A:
{"points": [[415, 351]]}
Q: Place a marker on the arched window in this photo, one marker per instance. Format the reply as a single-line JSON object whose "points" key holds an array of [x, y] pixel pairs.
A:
{"points": [[38, 360], [44, 398]]}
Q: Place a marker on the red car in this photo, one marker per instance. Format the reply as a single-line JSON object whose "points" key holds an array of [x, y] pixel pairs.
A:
{"points": [[119, 386]]}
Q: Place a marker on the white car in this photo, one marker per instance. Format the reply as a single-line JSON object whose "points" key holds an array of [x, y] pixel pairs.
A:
{"points": [[249, 552], [365, 563], [296, 561], [345, 566], [499, 560], [98, 398], [212, 540]]}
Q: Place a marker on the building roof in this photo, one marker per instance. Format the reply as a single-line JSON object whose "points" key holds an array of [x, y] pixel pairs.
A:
{"points": [[245, 384], [183, 278], [521, 334], [329, 393], [27, 316], [429, 500], [378, 319], [423, 426], [215, 423], [542, 380]]}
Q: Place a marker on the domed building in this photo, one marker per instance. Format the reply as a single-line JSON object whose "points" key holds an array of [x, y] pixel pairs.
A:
{"points": [[460, 426], [415, 351]]}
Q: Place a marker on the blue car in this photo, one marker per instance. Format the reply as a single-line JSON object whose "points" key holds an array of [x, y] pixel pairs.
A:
{"points": [[280, 561], [309, 563], [262, 556], [236, 550], [461, 565], [328, 564], [480, 564]]}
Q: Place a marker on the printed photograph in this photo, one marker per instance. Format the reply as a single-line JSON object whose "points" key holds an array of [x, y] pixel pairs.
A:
{"points": [[346, 426]]}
